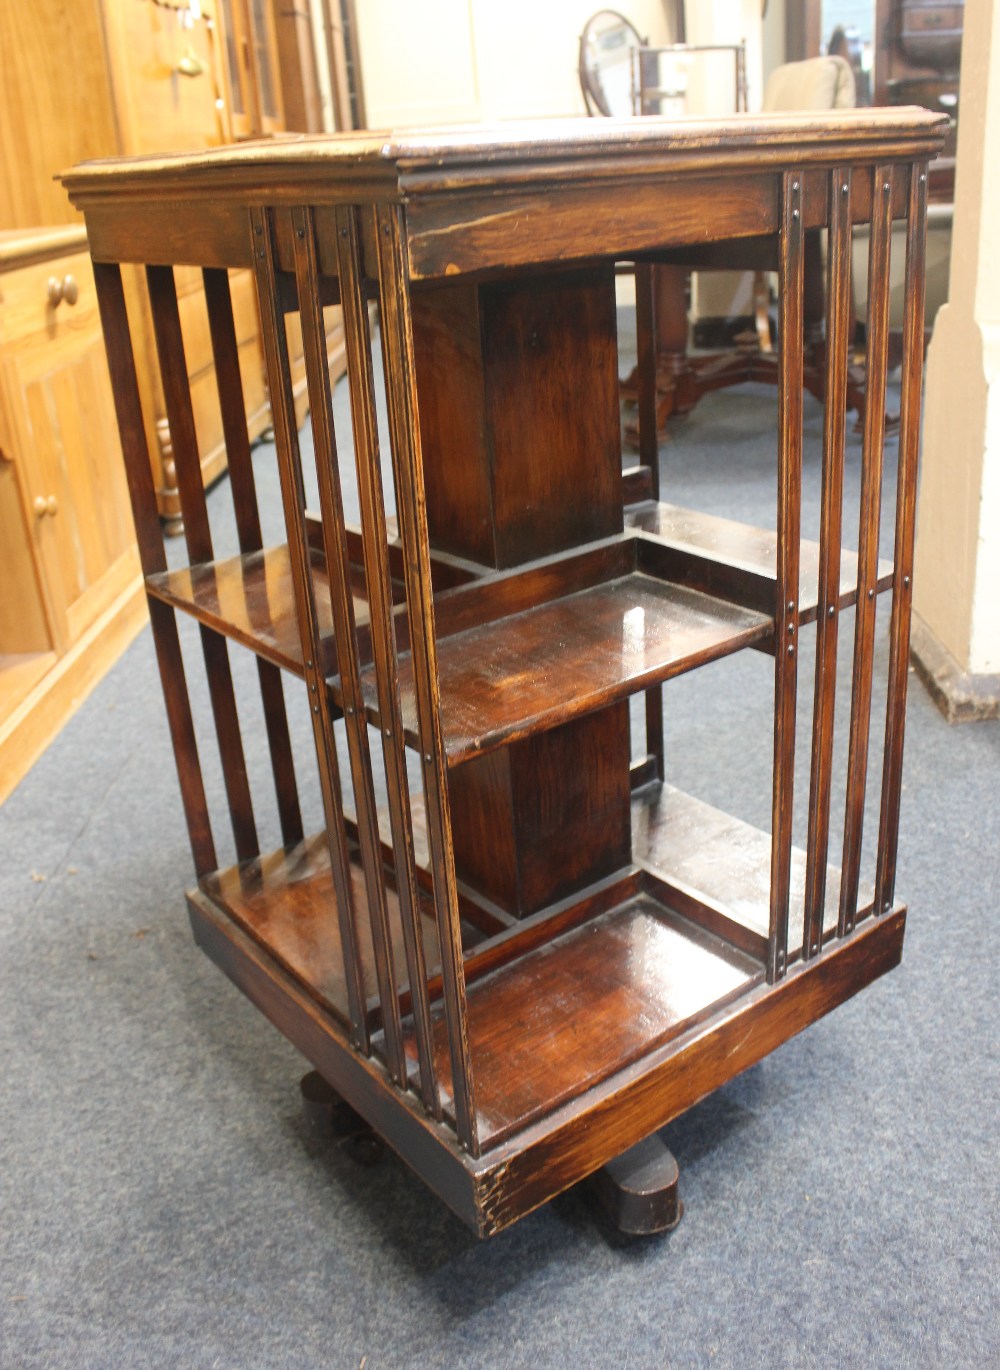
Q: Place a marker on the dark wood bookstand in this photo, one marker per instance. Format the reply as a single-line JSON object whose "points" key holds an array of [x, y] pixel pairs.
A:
{"points": [[523, 971]]}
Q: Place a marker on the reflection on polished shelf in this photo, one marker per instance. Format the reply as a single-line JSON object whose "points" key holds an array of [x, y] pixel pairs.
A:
{"points": [[527, 954]]}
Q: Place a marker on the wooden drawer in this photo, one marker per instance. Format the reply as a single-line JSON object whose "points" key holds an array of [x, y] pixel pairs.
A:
{"points": [[931, 35], [29, 317], [931, 18]]}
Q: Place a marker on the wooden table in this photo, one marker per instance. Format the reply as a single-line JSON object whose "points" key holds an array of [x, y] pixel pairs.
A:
{"points": [[545, 952]]}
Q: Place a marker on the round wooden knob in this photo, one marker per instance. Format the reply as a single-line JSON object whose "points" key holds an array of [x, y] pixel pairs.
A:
{"points": [[65, 289], [45, 505]]}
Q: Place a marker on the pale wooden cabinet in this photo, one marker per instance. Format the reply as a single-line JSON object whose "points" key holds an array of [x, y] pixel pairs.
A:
{"points": [[71, 595], [146, 77], [82, 80]]}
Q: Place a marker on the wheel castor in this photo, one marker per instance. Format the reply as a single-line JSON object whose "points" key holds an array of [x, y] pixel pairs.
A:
{"points": [[330, 1116], [638, 1189]]}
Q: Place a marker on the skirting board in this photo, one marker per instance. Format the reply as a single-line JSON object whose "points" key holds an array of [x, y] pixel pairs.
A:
{"points": [[962, 697]]}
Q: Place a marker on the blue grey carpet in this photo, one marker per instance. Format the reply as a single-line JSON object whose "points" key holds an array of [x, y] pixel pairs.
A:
{"points": [[162, 1202]]}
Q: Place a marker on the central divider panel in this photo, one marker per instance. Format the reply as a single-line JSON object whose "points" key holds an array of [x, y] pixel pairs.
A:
{"points": [[506, 484]]}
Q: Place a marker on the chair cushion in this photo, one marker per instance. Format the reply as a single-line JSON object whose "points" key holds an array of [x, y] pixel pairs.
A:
{"points": [[815, 84]]}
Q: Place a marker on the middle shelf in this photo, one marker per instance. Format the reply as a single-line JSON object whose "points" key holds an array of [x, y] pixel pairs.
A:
{"points": [[524, 650], [522, 672]]}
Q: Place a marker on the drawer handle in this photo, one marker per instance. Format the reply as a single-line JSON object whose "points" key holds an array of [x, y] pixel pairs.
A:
{"points": [[45, 506], [65, 289]]}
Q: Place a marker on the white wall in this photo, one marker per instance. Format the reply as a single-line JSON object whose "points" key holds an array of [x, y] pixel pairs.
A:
{"points": [[447, 61], [727, 21], [773, 37], [417, 62], [956, 581]]}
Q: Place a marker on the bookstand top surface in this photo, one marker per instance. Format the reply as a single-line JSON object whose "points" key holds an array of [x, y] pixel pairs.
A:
{"points": [[393, 163]]}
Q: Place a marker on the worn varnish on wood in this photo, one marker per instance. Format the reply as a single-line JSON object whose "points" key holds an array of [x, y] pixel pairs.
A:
{"points": [[513, 964]]}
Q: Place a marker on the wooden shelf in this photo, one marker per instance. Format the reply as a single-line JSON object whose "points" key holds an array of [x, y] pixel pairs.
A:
{"points": [[615, 987], [741, 547], [555, 1022], [578, 1004], [508, 678], [709, 859], [286, 902], [250, 599], [505, 679]]}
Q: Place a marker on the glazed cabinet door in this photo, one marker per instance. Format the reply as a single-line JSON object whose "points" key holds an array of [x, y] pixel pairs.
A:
{"points": [[63, 438], [253, 67]]}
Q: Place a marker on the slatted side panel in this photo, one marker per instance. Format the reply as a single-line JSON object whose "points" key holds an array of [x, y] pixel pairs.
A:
{"points": [[868, 543], [786, 612], [397, 351], [241, 480], [197, 533], [128, 409], [838, 341], [321, 710], [649, 456], [906, 498], [378, 579], [345, 631]]}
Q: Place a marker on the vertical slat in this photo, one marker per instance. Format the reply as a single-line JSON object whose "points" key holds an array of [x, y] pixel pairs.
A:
{"points": [[838, 321], [234, 426], [654, 729], [649, 455], [906, 502], [397, 351], [378, 578], [645, 336], [177, 398], [293, 501], [128, 408], [871, 503], [342, 603], [225, 353], [786, 608]]}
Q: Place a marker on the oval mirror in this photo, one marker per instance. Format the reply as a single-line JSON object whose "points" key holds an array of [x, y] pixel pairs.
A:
{"points": [[605, 65]]}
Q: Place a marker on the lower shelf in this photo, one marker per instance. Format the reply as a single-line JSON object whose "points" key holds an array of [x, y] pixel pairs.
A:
{"points": [[710, 857], [286, 902], [514, 1176], [552, 1024], [569, 997]]}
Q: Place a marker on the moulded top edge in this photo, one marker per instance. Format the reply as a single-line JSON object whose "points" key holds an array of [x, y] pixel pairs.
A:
{"points": [[374, 159]]}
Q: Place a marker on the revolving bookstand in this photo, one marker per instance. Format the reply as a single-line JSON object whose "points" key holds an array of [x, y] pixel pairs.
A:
{"points": [[523, 953]]}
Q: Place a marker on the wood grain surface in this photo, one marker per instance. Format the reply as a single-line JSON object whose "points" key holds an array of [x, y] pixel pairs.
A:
{"points": [[539, 967], [286, 901], [507, 679]]}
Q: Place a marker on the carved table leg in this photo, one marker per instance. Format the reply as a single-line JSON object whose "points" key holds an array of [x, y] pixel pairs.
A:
{"points": [[638, 1189], [328, 1115]]}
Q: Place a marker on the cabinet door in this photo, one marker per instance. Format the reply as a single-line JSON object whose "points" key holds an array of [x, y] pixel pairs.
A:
{"points": [[56, 105], [253, 68], [65, 440]]}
